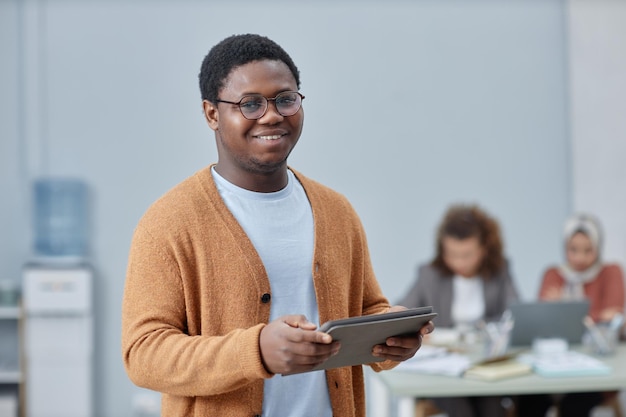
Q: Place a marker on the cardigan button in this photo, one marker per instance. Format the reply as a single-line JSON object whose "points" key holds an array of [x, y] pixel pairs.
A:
{"points": [[265, 298]]}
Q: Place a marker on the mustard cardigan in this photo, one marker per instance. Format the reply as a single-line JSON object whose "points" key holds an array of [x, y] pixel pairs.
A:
{"points": [[197, 296]]}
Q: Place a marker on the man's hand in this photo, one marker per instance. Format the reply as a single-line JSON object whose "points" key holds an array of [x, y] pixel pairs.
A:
{"points": [[401, 348], [291, 344]]}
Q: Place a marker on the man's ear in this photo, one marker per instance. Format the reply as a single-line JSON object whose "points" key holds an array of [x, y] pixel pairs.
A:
{"points": [[211, 114]]}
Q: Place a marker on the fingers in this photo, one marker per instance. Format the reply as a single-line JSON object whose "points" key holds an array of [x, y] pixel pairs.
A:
{"points": [[395, 308], [608, 313], [299, 321], [290, 344], [398, 348], [401, 348], [428, 328], [552, 294]]}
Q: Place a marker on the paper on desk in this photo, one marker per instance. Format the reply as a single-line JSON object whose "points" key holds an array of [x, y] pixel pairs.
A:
{"points": [[436, 361], [564, 364]]}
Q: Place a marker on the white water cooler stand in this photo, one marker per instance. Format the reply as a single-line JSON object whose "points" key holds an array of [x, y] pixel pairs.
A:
{"points": [[58, 340]]}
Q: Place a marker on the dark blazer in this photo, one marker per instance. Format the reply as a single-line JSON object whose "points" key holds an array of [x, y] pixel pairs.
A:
{"points": [[433, 288]]}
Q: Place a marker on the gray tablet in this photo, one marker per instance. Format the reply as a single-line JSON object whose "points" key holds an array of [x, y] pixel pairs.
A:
{"points": [[358, 335]]}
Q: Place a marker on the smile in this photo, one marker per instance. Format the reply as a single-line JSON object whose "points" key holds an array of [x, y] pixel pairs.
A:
{"points": [[271, 137]]}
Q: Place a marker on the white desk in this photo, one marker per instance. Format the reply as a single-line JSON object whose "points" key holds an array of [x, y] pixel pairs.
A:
{"points": [[392, 393]]}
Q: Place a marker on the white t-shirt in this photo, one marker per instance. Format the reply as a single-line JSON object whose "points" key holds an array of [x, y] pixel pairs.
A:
{"points": [[468, 301], [280, 226]]}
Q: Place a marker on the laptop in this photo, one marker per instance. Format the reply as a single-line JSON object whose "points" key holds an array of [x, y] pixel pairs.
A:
{"points": [[548, 319]]}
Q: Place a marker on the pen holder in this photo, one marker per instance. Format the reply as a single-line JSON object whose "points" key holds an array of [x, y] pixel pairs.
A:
{"points": [[496, 339], [603, 339]]}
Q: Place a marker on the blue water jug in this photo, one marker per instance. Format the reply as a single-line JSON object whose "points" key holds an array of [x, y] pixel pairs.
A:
{"points": [[60, 208]]}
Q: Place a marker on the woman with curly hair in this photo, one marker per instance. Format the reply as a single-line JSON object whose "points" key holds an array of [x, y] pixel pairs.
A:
{"points": [[467, 282]]}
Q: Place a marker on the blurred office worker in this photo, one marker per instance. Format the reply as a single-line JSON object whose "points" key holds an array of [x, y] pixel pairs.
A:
{"points": [[583, 275], [468, 282]]}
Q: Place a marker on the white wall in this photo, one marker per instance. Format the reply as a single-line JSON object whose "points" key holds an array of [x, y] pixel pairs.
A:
{"points": [[13, 239], [597, 89], [597, 85], [410, 106]]}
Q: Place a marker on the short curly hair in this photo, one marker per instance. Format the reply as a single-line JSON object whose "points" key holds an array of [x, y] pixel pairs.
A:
{"points": [[467, 221], [233, 52]]}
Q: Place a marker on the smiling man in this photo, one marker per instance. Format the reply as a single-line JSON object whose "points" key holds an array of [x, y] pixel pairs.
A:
{"points": [[230, 272]]}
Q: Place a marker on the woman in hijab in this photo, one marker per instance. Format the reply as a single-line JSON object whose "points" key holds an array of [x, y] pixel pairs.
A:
{"points": [[583, 275]]}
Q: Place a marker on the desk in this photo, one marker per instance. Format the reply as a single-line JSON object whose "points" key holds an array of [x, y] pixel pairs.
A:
{"points": [[392, 392]]}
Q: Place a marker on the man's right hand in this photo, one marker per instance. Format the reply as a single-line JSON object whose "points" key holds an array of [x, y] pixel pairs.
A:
{"points": [[291, 344]]}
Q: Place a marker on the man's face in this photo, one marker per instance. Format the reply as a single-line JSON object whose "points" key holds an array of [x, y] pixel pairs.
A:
{"points": [[257, 147]]}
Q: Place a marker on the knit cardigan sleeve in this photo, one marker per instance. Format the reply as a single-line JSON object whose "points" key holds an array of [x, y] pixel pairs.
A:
{"points": [[191, 313]]}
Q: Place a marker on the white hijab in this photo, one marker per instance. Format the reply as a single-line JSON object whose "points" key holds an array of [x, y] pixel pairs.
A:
{"points": [[590, 227]]}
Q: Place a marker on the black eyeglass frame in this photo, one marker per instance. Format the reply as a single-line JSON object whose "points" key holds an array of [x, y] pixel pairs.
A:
{"points": [[267, 103]]}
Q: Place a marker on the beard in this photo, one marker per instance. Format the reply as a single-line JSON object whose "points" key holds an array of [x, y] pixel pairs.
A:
{"points": [[259, 167]]}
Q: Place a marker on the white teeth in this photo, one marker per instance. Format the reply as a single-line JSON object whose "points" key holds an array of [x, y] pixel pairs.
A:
{"points": [[273, 137]]}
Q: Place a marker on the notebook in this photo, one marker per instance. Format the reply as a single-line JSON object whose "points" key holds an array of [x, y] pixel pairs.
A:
{"points": [[496, 371], [548, 319]]}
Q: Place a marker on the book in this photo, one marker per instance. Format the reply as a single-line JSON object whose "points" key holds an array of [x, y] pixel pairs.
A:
{"points": [[496, 370]]}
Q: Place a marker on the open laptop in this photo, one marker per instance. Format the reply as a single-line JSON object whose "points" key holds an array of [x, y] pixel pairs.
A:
{"points": [[548, 319]]}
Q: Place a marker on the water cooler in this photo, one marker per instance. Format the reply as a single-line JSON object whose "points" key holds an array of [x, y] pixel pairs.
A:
{"points": [[58, 340]]}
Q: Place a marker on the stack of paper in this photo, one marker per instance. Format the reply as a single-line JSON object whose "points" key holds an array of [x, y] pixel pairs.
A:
{"points": [[568, 363], [436, 361]]}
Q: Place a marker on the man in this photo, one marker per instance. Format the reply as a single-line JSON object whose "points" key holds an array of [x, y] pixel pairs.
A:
{"points": [[227, 269]]}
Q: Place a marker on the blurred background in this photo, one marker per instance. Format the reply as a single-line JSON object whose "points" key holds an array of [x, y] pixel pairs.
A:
{"points": [[410, 106]]}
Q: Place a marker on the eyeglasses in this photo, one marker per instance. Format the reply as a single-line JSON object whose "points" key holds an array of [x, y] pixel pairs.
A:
{"points": [[254, 106]]}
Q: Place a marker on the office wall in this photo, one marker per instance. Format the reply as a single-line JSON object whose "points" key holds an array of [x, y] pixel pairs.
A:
{"points": [[13, 239], [597, 85], [410, 106]]}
